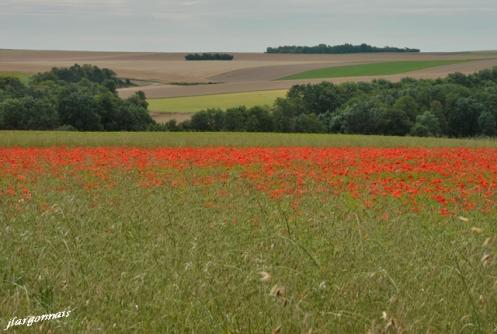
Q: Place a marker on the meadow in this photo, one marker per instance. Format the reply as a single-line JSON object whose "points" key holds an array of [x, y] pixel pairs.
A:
{"points": [[248, 233], [191, 104], [383, 68]]}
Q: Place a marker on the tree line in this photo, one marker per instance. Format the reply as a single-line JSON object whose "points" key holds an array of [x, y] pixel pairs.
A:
{"points": [[337, 49], [85, 98], [77, 98], [457, 106], [209, 56]]}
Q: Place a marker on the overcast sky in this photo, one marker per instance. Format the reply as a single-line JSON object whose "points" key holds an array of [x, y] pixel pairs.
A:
{"points": [[246, 25]]}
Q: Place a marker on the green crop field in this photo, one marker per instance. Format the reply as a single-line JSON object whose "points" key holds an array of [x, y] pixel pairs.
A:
{"points": [[223, 101], [386, 68], [24, 77], [197, 237], [202, 139]]}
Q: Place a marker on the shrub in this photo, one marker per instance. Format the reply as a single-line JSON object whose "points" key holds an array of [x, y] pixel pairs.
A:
{"points": [[209, 56]]}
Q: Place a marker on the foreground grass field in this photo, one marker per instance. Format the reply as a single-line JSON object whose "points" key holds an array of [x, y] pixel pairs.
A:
{"points": [[223, 101], [144, 233], [386, 68]]}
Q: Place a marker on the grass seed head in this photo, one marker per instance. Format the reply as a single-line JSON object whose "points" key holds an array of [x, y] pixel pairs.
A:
{"points": [[265, 276], [482, 300], [391, 325], [486, 259], [476, 230], [489, 242], [277, 291]]}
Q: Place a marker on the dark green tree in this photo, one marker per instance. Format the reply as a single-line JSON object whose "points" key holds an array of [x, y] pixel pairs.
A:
{"points": [[259, 119], [487, 124], [463, 118], [235, 119], [395, 122], [427, 125], [309, 123], [80, 111], [27, 113], [408, 105]]}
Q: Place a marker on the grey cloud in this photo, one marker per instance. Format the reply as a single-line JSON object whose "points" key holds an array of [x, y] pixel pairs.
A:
{"points": [[230, 25], [215, 8]]}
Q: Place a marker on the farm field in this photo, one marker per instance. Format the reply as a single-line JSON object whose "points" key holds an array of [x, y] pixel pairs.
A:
{"points": [[230, 139], [387, 68], [248, 72], [191, 104], [177, 88], [230, 232]]}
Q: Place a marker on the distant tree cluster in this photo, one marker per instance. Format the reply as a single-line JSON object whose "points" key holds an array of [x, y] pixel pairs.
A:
{"points": [[255, 119], [209, 56], [77, 72], [336, 49], [76, 98], [457, 106]]}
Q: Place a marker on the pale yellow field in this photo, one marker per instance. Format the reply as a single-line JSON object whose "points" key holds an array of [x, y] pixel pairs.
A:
{"points": [[192, 104]]}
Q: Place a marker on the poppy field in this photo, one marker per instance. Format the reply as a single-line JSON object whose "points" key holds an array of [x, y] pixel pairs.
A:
{"points": [[233, 238]]}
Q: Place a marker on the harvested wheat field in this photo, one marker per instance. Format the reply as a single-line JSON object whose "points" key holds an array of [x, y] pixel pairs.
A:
{"points": [[267, 78]]}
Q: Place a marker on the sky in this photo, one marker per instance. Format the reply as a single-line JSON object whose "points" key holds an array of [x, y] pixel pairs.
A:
{"points": [[245, 25]]}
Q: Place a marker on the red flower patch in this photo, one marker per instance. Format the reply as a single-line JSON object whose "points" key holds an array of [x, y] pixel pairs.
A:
{"points": [[447, 179]]}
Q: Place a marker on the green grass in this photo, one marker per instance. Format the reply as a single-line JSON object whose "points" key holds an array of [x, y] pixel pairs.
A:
{"points": [[185, 139], [386, 68], [186, 260], [24, 77], [161, 261], [223, 101]]}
